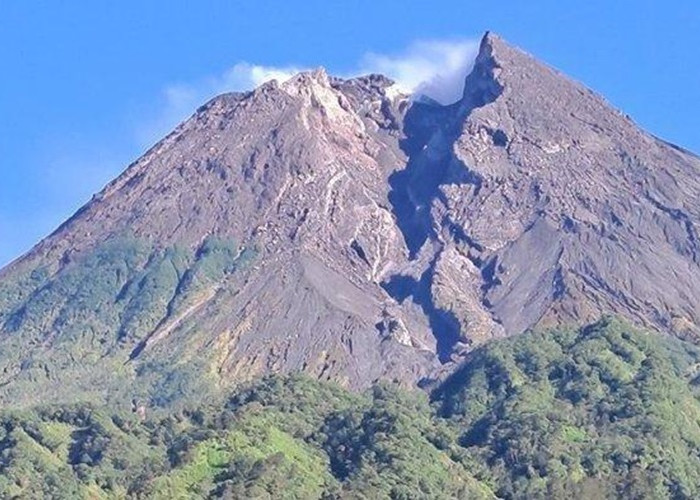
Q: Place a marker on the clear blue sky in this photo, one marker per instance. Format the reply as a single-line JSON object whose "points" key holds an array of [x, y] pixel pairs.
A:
{"points": [[83, 82]]}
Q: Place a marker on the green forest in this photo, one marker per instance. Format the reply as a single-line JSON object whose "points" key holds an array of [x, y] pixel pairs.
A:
{"points": [[601, 411]]}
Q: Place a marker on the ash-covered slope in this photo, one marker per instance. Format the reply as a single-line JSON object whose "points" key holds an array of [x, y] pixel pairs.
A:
{"points": [[571, 210], [336, 227]]}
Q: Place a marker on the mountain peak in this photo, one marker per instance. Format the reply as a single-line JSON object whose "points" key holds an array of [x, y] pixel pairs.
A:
{"points": [[507, 73], [496, 52], [495, 48], [308, 78], [500, 65], [490, 42]]}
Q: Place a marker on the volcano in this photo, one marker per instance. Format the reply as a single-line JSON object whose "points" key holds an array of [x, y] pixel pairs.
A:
{"points": [[341, 228]]}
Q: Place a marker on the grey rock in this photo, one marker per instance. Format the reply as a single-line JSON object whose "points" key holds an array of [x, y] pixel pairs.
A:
{"points": [[580, 212]]}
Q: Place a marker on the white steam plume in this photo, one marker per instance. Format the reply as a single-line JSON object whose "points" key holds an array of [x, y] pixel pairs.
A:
{"points": [[436, 68], [180, 100]]}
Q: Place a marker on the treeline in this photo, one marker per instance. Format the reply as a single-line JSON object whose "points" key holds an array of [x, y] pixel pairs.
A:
{"points": [[600, 412]]}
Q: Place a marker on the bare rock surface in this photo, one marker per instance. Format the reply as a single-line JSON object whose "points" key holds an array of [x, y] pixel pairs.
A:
{"points": [[577, 211], [383, 237]]}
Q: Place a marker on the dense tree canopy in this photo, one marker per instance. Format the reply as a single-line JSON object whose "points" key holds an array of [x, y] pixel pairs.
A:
{"points": [[603, 411]]}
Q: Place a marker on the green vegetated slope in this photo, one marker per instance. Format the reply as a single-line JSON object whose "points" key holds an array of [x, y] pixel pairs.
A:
{"points": [[283, 438], [601, 412], [70, 333]]}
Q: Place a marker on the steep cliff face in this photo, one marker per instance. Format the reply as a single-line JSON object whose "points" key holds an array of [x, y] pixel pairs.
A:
{"points": [[573, 211], [340, 228]]}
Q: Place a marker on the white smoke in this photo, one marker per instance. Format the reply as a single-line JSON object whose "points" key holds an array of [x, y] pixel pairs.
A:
{"points": [[180, 100], [436, 68], [244, 76]]}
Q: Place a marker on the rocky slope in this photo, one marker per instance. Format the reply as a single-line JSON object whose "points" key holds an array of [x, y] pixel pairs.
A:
{"points": [[339, 228], [549, 206]]}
